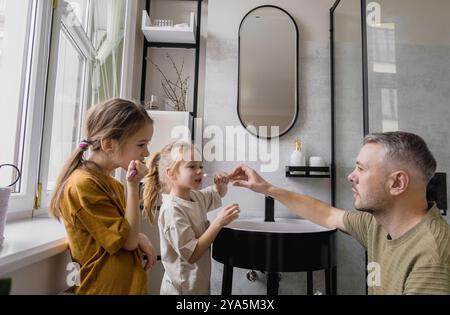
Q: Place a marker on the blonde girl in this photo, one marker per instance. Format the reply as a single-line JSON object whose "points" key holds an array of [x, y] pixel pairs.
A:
{"points": [[102, 225], [185, 233]]}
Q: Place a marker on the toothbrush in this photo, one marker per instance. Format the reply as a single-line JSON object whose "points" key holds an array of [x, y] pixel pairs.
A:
{"points": [[133, 173], [209, 175]]}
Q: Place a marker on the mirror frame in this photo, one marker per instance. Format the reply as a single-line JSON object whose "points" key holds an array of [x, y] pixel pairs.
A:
{"points": [[296, 73]]}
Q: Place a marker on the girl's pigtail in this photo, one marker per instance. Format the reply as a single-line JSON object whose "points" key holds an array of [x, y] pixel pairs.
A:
{"points": [[152, 188], [73, 162]]}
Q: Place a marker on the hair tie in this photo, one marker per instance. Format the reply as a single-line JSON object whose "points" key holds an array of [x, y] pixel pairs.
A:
{"points": [[84, 145]]}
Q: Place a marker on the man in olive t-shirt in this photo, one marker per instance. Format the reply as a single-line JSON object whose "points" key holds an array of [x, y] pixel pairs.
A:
{"points": [[407, 240], [415, 263]]}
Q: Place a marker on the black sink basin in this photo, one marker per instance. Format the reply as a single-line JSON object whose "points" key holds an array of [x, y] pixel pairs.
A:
{"points": [[286, 245]]}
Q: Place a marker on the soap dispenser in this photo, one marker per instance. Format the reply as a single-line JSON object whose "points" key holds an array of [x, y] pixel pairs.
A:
{"points": [[298, 157]]}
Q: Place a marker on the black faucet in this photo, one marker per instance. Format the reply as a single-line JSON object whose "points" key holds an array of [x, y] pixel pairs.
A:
{"points": [[269, 212]]}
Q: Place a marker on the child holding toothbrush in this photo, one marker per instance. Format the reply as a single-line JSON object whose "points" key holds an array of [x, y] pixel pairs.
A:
{"points": [[185, 233], [102, 225]]}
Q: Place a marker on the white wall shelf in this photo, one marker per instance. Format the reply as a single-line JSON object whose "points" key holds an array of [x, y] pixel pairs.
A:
{"points": [[164, 123], [165, 34]]}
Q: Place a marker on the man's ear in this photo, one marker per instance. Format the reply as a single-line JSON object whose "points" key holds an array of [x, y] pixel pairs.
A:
{"points": [[398, 182]]}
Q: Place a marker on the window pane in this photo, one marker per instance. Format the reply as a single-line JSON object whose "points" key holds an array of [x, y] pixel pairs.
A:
{"points": [[14, 25], [67, 106], [107, 38], [2, 26]]}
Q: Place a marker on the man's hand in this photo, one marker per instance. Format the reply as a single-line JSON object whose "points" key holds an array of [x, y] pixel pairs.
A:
{"points": [[244, 176], [146, 252], [304, 206]]}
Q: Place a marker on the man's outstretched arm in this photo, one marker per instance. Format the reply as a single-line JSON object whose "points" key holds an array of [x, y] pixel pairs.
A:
{"points": [[307, 207]]}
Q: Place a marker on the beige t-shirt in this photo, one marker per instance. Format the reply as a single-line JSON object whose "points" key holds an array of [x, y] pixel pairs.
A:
{"points": [[181, 223], [416, 263]]}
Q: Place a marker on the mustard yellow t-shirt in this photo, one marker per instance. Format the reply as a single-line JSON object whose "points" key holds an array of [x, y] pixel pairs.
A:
{"points": [[93, 213], [418, 262]]}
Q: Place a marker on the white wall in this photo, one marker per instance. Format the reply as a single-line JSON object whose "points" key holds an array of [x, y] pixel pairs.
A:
{"points": [[47, 276], [312, 126]]}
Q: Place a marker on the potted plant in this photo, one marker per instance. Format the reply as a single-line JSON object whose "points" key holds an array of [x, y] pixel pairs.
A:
{"points": [[5, 193], [5, 286], [175, 91]]}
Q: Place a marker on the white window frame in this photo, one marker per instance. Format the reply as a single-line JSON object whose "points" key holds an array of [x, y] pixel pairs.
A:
{"points": [[83, 44], [21, 204], [78, 38], [39, 110]]}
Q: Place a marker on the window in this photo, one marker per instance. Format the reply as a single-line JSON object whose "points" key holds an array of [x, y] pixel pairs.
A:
{"points": [[88, 51], [16, 29], [54, 64], [107, 37], [67, 110]]}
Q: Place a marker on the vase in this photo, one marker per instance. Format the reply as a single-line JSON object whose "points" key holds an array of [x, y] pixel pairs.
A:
{"points": [[5, 193]]}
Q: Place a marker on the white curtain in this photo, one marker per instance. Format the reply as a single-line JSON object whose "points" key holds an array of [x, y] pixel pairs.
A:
{"points": [[109, 16]]}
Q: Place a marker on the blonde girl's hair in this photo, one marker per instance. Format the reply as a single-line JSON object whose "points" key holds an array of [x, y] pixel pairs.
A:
{"points": [[156, 181], [115, 119]]}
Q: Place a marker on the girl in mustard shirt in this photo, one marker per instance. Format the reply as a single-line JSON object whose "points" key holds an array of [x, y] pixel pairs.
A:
{"points": [[102, 226]]}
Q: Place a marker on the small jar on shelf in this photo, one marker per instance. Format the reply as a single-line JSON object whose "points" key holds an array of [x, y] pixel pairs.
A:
{"points": [[163, 23]]}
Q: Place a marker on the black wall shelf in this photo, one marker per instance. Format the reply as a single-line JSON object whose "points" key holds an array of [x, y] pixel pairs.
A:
{"points": [[305, 171], [195, 46]]}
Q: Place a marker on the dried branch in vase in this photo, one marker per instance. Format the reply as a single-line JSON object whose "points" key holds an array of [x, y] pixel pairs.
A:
{"points": [[176, 91]]}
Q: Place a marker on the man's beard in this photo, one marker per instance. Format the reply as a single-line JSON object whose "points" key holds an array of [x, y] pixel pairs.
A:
{"points": [[368, 210], [376, 205]]}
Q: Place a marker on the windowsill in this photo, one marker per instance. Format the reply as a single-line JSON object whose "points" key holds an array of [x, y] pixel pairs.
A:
{"points": [[30, 241]]}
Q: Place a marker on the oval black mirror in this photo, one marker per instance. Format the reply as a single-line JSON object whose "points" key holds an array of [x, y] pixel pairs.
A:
{"points": [[268, 72]]}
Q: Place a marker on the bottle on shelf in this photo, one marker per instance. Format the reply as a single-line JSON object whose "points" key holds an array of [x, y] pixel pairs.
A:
{"points": [[298, 157]]}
